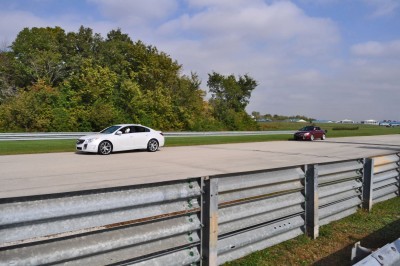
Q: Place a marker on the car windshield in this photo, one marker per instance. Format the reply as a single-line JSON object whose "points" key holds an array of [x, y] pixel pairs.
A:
{"points": [[309, 128], [110, 130]]}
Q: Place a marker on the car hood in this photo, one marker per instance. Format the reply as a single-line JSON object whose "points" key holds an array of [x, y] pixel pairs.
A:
{"points": [[93, 136]]}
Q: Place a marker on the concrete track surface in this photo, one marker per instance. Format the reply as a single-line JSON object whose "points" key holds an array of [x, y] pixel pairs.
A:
{"points": [[25, 175]]}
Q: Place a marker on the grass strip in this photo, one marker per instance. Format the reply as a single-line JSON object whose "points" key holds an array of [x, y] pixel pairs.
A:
{"points": [[49, 146], [333, 246], [13, 147], [190, 141]]}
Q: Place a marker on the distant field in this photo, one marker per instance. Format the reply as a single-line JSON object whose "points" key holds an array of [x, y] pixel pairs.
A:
{"points": [[336, 130], [363, 130], [46, 146]]}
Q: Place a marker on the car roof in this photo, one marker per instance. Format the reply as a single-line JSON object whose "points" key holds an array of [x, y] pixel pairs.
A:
{"points": [[124, 125]]}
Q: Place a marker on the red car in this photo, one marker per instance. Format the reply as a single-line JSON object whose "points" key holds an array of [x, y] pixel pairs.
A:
{"points": [[310, 133]]}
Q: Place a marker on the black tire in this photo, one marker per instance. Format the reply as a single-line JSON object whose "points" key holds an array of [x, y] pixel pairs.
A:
{"points": [[311, 137], [152, 145], [323, 137], [105, 147]]}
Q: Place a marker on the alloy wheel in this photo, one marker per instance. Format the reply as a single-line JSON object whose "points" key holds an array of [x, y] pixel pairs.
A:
{"points": [[152, 146], [105, 148]]}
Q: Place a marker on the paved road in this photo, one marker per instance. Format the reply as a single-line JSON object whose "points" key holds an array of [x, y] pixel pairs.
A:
{"points": [[24, 175]]}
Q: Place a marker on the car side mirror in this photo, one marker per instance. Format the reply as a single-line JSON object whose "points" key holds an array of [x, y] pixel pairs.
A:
{"points": [[119, 133]]}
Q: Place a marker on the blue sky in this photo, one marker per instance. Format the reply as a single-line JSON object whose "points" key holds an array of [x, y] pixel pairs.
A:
{"points": [[326, 59]]}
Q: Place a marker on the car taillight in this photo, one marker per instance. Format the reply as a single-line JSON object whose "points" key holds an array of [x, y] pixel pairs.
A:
{"points": [[162, 134]]}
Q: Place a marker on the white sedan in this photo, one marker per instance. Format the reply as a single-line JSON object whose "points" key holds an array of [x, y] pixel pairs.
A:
{"points": [[121, 138]]}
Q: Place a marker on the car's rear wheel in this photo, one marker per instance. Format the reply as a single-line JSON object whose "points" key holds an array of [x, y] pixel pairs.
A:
{"points": [[323, 137], [105, 147], [152, 145], [312, 137]]}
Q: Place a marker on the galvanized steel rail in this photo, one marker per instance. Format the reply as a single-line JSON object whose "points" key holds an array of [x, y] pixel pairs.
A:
{"points": [[206, 220], [76, 135], [386, 255]]}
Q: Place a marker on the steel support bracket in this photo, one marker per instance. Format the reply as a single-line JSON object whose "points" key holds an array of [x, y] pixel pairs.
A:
{"points": [[311, 192], [368, 176], [209, 220]]}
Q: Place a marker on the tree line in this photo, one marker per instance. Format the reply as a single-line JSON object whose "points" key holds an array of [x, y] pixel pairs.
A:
{"points": [[52, 80], [269, 117]]}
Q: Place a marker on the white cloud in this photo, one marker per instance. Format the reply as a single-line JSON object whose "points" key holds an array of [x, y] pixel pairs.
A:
{"points": [[377, 49], [320, 2], [383, 7], [258, 39], [136, 12], [280, 21], [277, 44], [11, 23]]}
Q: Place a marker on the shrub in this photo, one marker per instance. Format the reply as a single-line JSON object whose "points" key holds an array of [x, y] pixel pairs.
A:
{"points": [[345, 128]]}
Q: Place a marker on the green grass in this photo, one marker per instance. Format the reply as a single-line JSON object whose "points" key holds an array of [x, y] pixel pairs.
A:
{"points": [[189, 141], [36, 146], [335, 241], [46, 146]]}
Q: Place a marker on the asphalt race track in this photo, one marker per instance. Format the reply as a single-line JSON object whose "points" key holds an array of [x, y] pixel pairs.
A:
{"points": [[24, 175]]}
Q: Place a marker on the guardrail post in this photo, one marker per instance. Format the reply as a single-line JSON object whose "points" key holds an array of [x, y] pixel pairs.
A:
{"points": [[398, 176], [311, 194], [368, 176], [209, 220]]}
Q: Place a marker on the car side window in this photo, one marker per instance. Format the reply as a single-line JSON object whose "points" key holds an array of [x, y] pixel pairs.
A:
{"points": [[317, 128], [139, 129], [126, 130]]}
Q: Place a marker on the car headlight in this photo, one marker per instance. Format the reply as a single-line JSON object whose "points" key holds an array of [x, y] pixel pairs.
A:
{"points": [[306, 134], [91, 140]]}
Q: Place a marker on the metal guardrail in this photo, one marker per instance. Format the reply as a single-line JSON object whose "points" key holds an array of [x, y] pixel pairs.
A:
{"points": [[257, 210], [206, 220], [76, 135], [387, 255], [42, 136], [103, 226], [386, 177], [340, 189]]}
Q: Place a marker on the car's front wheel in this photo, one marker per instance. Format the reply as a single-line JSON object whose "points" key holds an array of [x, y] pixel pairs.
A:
{"points": [[323, 137], [152, 145], [105, 147], [312, 137]]}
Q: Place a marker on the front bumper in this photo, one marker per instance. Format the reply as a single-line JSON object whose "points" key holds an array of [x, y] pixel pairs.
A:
{"points": [[301, 137], [86, 147]]}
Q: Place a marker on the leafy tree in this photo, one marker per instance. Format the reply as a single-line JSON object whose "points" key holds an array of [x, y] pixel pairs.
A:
{"points": [[90, 97], [7, 82], [118, 53], [283, 117], [35, 109], [38, 56], [229, 98], [256, 115], [83, 43], [81, 46], [187, 98], [78, 81], [234, 93]]}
